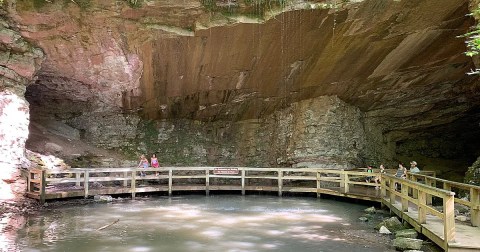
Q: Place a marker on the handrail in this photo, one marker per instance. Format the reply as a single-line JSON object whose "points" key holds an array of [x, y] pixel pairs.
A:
{"points": [[447, 214], [337, 182], [343, 179], [473, 201]]}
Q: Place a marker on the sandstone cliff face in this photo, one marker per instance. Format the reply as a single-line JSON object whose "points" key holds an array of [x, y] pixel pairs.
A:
{"points": [[19, 62], [334, 85]]}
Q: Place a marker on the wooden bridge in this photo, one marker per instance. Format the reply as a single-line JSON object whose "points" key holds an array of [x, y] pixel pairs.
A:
{"points": [[424, 201]]}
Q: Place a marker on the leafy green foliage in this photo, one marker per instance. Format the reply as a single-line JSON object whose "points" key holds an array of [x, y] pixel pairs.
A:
{"points": [[472, 39], [134, 3], [255, 8], [473, 174]]}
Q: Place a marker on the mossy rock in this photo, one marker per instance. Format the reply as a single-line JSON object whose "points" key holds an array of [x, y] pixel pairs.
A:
{"points": [[393, 224], [472, 176]]}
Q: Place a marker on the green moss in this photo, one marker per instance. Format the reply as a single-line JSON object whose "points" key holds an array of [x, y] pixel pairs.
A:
{"points": [[254, 8], [473, 174], [30, 5], [84, 4], [473, 37], [150, 136], [135, 3]]}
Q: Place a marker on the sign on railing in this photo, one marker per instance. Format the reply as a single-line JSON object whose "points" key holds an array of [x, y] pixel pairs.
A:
{"points": [[225, 171]]}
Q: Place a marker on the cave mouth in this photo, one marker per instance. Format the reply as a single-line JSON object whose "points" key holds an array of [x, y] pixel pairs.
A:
{"points": [[262, 94], [448, 149]]}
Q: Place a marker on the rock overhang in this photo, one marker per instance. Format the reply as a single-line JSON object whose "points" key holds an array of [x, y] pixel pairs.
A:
{"points": [[400, 62]]}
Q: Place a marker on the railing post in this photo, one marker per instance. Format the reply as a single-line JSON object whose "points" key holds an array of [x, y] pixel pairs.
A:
{"points": [[414, 191], [342, 178], [428, 182], [383, 186], [318, 185], [475, 209], [43, 185], [404, 197], [170, 181], [85, 183], [207, 182], [447, 186], [392, 190], [280, 182], [448, 219], [345, 182], [133, 183], [77, 178], [243, 182], [422, 210], [125, 181]]}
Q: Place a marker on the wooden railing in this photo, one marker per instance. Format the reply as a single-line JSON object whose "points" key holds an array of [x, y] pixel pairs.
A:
{"points": [[418, 192], [394, 187], [470, 193], [201, 178]]}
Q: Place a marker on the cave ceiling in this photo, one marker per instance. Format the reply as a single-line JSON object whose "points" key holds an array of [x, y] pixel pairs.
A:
{"points": [[401, 62]]}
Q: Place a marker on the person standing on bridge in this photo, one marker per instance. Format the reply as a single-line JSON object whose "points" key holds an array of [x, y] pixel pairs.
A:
{"points": [[154, 162], [401, 173], [378, 178], [369, 178], [413, 167]]}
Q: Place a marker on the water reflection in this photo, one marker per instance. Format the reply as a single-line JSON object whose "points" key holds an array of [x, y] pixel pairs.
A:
{"points": [[198, 223]]}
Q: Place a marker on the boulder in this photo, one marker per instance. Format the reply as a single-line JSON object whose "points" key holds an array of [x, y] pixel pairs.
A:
{"points": [[406, 233], [384, 230], [393, 224], [370, 210], [363, 218], [402, 243], [103, 198]]}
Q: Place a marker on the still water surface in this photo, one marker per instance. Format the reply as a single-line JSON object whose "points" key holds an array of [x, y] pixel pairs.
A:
{"points": [[199, 223]]}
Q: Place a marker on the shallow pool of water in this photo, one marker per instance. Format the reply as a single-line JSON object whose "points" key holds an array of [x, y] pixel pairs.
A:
{"points": [[199, 223]]}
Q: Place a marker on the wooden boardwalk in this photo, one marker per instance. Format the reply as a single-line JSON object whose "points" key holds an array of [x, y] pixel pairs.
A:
{"points": [[424, 201]]}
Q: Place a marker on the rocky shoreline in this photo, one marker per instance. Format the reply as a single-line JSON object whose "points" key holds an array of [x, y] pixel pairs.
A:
{"points": [[403, 236]]}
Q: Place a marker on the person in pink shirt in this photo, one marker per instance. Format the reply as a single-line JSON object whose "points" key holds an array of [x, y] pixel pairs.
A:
{"points": [[154, 162]]}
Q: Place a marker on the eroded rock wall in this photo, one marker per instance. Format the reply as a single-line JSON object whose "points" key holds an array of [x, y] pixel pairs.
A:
{"points": [[322, 132], [19, 62]]}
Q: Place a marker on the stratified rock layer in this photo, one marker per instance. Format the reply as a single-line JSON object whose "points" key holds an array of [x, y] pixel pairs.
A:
{"points": [[262, 83], [19, 62]]}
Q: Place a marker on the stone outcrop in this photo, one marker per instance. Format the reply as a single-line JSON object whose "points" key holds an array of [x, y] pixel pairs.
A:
{"points": [[305, 83], [406, 233], [19, 62], [403, 244], [473, 174], [393, 224], [323, 132]]}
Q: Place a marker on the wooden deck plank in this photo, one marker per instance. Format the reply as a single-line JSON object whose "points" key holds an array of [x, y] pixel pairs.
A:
{"points": [[466, 238]]}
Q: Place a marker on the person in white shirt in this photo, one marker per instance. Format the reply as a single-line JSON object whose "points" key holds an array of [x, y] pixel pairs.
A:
{"points": [[413, 167]]}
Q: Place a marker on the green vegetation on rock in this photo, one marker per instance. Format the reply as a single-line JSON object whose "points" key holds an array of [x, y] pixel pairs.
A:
{"points": [[473, 38], [253, 8], [473, 174], [134, 3]]}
